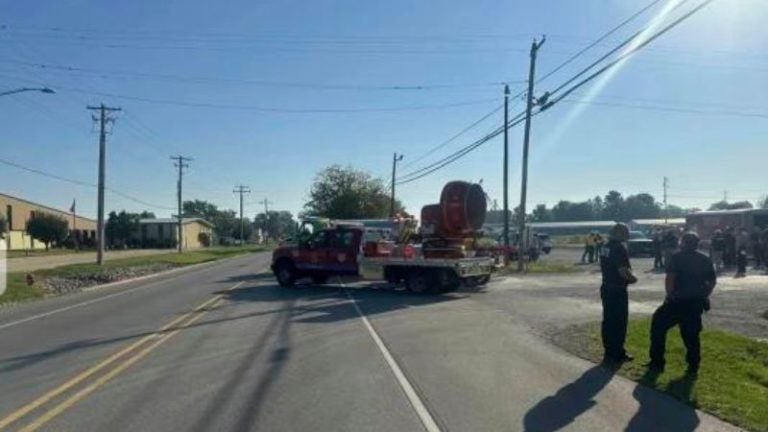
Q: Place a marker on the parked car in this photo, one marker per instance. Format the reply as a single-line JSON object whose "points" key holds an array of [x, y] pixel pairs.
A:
{"points": [[639, 244]]}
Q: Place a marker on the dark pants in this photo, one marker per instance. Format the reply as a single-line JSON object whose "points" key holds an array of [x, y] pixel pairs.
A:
{"points": [[686, 314], [758, 250], [615, 315], [741, 263], [658, 262]]}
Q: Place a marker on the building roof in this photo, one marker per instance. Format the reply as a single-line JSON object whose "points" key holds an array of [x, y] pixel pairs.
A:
{"points": [[726, 212], [174, 221], [32, 203], [575, 224], [670, 221]]}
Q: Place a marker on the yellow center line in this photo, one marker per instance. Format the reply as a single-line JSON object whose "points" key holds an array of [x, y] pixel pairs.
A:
{"points": [[51, 394], [80, 395]]}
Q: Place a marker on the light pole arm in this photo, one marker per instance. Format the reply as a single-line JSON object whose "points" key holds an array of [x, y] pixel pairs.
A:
{"points": [[27, 89]]}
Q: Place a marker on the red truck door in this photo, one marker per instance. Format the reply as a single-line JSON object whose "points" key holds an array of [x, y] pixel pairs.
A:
{"points": [[344, 250], [315, 255]]}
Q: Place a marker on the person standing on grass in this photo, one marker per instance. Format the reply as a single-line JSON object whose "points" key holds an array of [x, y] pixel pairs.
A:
{"points": [[617, 276], [598, 246], [589, 246], [689, 283]]}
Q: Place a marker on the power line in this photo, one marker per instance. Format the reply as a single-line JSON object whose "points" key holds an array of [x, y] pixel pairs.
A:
{"points": [[80, 183], [239, 81], [624, 55], [663, 108], [454, 137]]}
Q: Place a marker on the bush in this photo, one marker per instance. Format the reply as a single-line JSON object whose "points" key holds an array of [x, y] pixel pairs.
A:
{"points": [[48, 228]]}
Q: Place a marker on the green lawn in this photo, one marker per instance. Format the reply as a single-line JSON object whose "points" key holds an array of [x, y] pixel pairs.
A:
{"points": [[21, 253], [732, 382], [542, 267], [17, 289]]}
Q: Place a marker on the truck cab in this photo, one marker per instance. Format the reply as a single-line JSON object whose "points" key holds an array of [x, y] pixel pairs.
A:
{"points": [[326, 253]]}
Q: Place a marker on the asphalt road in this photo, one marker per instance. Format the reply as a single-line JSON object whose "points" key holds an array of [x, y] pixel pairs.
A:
{"points": [[223, 348]]}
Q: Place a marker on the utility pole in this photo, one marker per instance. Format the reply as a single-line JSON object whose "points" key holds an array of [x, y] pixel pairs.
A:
{"points": [[242, 189], [522, 247], [666, 206], [103, 119], [506, 165], [180, 162], [395, 160], [266, 203]]}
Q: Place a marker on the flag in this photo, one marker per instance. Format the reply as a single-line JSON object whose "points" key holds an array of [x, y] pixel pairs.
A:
{"points": [[73, 207]]}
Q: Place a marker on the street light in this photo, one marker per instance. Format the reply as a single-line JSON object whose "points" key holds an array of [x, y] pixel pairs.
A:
{"points": [[27, 89]]}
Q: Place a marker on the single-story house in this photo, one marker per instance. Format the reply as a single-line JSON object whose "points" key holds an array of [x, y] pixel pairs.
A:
{"points": [[163, 232], [571, 228]]}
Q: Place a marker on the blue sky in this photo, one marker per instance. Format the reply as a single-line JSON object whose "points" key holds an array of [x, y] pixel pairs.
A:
{"points": [[715, 62]]}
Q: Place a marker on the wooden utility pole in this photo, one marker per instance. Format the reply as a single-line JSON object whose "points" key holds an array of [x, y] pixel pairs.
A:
{"points": [[523, 244], [242, 189], [395, 160], [506, 165], [180, 162], [103, 119]]}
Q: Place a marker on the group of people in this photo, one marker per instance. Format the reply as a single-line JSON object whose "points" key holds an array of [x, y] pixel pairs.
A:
{"points": [[592, 245], [729, 248], [690, 279], [665, 241]]}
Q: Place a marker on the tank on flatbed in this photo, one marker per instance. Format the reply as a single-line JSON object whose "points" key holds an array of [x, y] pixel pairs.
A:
{"points": [[449, 229]]}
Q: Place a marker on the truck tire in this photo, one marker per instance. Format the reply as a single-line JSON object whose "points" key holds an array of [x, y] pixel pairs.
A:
{"points": [[482, 280], [420, 281], [319, 279], [447, 280], [285, 274]]}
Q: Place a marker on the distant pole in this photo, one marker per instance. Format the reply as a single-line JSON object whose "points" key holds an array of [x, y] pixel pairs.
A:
{"points": [[180, 162], [666, 206], [506, 165], [526, 142], [266, 203], [241, 189], [395, 160], [103, 119]]}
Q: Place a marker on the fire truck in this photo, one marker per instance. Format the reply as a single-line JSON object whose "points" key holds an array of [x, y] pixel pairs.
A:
{"points": [[437, 257]]}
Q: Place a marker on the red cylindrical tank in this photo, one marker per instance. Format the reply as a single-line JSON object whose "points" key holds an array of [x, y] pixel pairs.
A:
{"points": [[464, 207], [461, 211]]}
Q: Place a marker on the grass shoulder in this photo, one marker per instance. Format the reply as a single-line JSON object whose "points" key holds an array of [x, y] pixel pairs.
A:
{"points": [[60, 280], [732, 383]]}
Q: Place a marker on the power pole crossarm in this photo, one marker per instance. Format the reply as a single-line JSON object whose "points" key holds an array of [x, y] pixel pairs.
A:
{"points": [[523, 244], [103, 119], [180, 162]]}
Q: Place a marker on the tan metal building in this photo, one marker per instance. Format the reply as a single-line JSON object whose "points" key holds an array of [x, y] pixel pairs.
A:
{"points": [[163, 232], [18, 211]]}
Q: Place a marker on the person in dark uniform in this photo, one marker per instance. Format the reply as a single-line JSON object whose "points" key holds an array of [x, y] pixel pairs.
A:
{"points": [[658, 262], [729, 257], [690, 281], [617, 275]]}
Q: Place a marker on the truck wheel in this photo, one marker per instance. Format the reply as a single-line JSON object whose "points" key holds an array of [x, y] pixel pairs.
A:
{"points": [[319, 279], [482, 280], [420, 282], [285, 274], [448, 281]]}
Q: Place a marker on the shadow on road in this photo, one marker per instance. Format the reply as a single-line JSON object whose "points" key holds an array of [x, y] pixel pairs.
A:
{"points": [[329, 304], [559, 410], [659, 412]]}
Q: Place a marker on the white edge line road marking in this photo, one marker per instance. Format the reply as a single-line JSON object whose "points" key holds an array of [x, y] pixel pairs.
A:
{"points": [[98, 299], [422, 412]]}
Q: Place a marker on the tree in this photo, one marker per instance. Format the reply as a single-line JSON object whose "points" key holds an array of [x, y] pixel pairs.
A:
{"points": [[497, 217], [201, 209], [147, 215], [48, 228], [613, 206], [226, 223], [763, 203], [541, 213], [247, 229], [598, 207], [346, 193], [641, 206], [567, 211], [121, 227], [276, 224], [725, 205], [674, 211]]}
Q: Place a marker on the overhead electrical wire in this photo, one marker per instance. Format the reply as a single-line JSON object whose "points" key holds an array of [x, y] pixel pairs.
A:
{"points": [[415, 175], [81, 183]]}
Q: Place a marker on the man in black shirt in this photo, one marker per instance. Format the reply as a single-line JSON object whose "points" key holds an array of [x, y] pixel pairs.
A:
{"points": [[617, 275], [690, 280]]}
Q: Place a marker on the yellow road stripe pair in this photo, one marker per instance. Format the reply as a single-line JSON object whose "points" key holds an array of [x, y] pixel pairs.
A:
{"points": [[183, 321]]}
